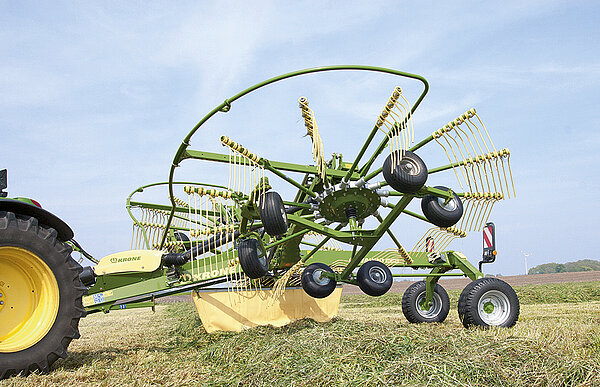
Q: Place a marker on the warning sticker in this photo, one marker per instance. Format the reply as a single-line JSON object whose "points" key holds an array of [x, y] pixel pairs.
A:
{"points": [[98, 298], [488, 237]]}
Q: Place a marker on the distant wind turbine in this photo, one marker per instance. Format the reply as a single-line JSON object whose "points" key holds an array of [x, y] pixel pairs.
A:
{"points": [[526, 255]]}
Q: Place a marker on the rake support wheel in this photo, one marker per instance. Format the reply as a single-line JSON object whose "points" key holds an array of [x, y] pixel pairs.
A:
{"points": [[374, 278], [314, 284], [416, 311], [440, 212], [408, 172], [254, 263], [272, 214], [41, 296]]}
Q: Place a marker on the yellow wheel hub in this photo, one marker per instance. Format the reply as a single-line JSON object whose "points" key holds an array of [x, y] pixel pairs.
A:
{"points": [[29, 301]]}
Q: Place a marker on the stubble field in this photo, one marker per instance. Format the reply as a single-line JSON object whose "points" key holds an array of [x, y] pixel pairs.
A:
{"points": [[556, 342]]}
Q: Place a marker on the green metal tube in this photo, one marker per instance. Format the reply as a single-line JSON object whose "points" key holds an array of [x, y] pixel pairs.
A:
{"points": [[290, 180], [287, 238], [379, 231], [422, 143], [373, 174], [446, 167], [390, 233], [421, 217], [316, 248]]}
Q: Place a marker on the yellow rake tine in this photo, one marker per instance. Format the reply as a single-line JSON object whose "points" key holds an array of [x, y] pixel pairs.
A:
{"points": [[486, 132], [451, 162], [423, 238], [475, 167], [439, 242], [491, 167], [500, 176], [468, 124], [510, 172], [410, 123], [489, 213], [505, 178], [457, 131], [471, 205], [477, 216], [464, 160]]}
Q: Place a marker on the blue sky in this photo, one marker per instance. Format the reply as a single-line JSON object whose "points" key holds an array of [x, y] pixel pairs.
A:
{"points": [[95, 98]]}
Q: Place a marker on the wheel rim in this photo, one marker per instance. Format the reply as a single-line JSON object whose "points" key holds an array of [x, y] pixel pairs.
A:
{"points": [[282, 211], [409, 166], [262, 259], [283, 215], [377, 275], [450, 206], [322, 281], [30, 299], [493, 307], [433, 310]]}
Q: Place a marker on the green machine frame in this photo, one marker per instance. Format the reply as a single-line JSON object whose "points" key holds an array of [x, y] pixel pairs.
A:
{"points": [[139, 289]]}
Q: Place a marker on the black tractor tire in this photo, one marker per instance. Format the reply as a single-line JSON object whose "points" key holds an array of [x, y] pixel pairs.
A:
{"points": [[254, 263], [315, 285], [488, 302], [407, 175], [374, 278], [440, 214], [31, 257], [413, 304], [272, 214]]}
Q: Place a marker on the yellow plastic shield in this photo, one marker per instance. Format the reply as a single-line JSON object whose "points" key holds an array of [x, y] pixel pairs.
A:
{"points": [[236, 311]]}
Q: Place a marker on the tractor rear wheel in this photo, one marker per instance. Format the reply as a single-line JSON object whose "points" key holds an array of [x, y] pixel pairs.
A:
{"points": [[40, 294]]}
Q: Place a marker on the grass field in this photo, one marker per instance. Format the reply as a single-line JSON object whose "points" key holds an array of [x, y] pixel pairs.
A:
{"points": [[556, 342]]}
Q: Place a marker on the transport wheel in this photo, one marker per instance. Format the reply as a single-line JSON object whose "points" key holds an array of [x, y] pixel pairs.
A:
{"points": [[407, 175], [417, 311], [252, 260], [40, 301], [272, 214], [440, 213], [315, 285], [488, 302], [374, 278]]}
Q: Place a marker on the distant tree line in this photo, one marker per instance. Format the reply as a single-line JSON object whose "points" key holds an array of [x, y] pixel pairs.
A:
{"points": [[581, 265]]}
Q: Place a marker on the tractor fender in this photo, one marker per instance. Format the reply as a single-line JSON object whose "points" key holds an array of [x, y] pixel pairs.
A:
{"points": [[44, 217]]}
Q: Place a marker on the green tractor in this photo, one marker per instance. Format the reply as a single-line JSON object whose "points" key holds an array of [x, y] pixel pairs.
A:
{"points": [[239, 234], [40, 289]]}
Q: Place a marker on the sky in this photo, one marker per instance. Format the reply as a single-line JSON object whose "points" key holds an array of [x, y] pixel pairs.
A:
{"points": [[95, 98]]}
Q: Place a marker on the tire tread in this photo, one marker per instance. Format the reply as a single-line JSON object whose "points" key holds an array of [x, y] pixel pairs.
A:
{"points": [[469, 298], [31, 359]]}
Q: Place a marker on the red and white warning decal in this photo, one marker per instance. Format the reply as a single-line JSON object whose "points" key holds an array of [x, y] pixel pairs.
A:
{"points": [[488, 237], [429, 247]]}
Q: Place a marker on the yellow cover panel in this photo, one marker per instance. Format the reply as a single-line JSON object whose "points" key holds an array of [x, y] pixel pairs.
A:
{"points": [[236, 311], [129, 261]]}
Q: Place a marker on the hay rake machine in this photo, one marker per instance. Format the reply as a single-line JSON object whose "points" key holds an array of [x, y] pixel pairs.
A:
{"points": [[250, 257]]}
